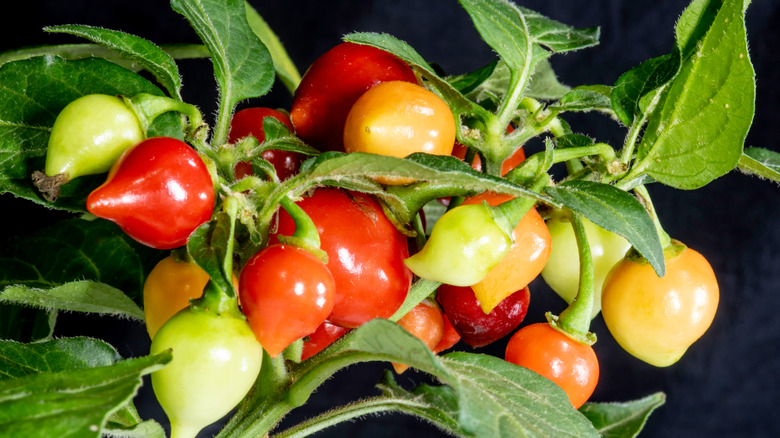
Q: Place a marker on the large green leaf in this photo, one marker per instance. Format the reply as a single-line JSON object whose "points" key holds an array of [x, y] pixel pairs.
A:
{"points": [[33, 93], [697, 132], [499, 399], [242, 64], [487, 396], [59, 393], [19, 360], [133, 48], [77, 296], [441, 170], [630, 89], [614, 210]]}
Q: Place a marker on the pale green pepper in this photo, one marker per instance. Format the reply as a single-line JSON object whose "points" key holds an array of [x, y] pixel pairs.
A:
{"points": [[465, 244]]}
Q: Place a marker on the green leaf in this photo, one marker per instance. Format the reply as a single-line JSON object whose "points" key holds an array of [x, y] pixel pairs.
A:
{"points": [[144, 429], [467, 82], [78, 296], [584, 98], [614, 210], [19, 360], [283, 65], [242, 64], [544, 84], [622, 420], [761, 162], [208, 246], [499, 399], [442, 170], [70, 402], [33, 93], [523, 37], [556, 36], [76, 249], [437, 404], [630, 88], [698, 131], [504, 28], [134, 48]]}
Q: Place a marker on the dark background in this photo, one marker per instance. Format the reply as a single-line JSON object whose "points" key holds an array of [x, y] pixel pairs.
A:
{"points": [[727, 383]]}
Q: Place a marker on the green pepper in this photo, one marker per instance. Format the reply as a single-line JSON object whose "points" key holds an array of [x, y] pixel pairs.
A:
{"points": [[465, 244]]}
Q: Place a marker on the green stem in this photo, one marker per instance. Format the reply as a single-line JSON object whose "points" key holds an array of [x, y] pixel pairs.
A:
{"points": [[148, 107], [508, 214], [263, 424], [647, 202], [575, 319], [355, 410], [305, 235], [415, 196]]}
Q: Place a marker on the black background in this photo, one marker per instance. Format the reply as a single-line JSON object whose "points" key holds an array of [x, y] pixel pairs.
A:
{"points": [[727, 383]]}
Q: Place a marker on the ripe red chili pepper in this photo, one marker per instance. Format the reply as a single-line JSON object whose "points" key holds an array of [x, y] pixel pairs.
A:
{"points": [[365, 254], [158, 192], [286, 293], [333, 83]]}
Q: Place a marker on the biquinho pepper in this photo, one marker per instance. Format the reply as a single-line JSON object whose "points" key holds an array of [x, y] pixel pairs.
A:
{"points": [[465, 244], [656, 318]]}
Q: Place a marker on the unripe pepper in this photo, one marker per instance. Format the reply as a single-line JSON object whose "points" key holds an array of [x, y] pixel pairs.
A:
{"points": [[465, 244]]}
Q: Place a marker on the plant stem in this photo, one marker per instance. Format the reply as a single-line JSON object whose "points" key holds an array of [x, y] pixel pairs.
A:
{"points": [[575, 319], [647, 202]]}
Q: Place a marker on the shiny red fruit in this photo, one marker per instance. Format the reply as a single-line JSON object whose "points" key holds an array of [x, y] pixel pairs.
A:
{"points": [[476, 327], [158, 192], [249, 121], [333, 83], [325, 335], [365, 254], [286, 293]]}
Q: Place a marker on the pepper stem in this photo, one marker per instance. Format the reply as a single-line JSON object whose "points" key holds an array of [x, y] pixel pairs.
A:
{"points": [[574, 321], [306, 235], [148, 107]]}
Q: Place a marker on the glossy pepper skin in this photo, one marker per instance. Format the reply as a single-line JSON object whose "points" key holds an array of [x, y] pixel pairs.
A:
{"points": [[476, 327], [365, 254], [525, 259], [656, 318], [90, 134], [426, 322], [169, 287], [571, 365], [216, 360], [465, 244], [562, 271], [249, 122], [397, 119], [158, 192], [286, 293], [331, 86]]}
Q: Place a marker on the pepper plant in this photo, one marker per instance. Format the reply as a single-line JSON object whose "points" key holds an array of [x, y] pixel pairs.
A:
{"points": [[685, 116]]}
